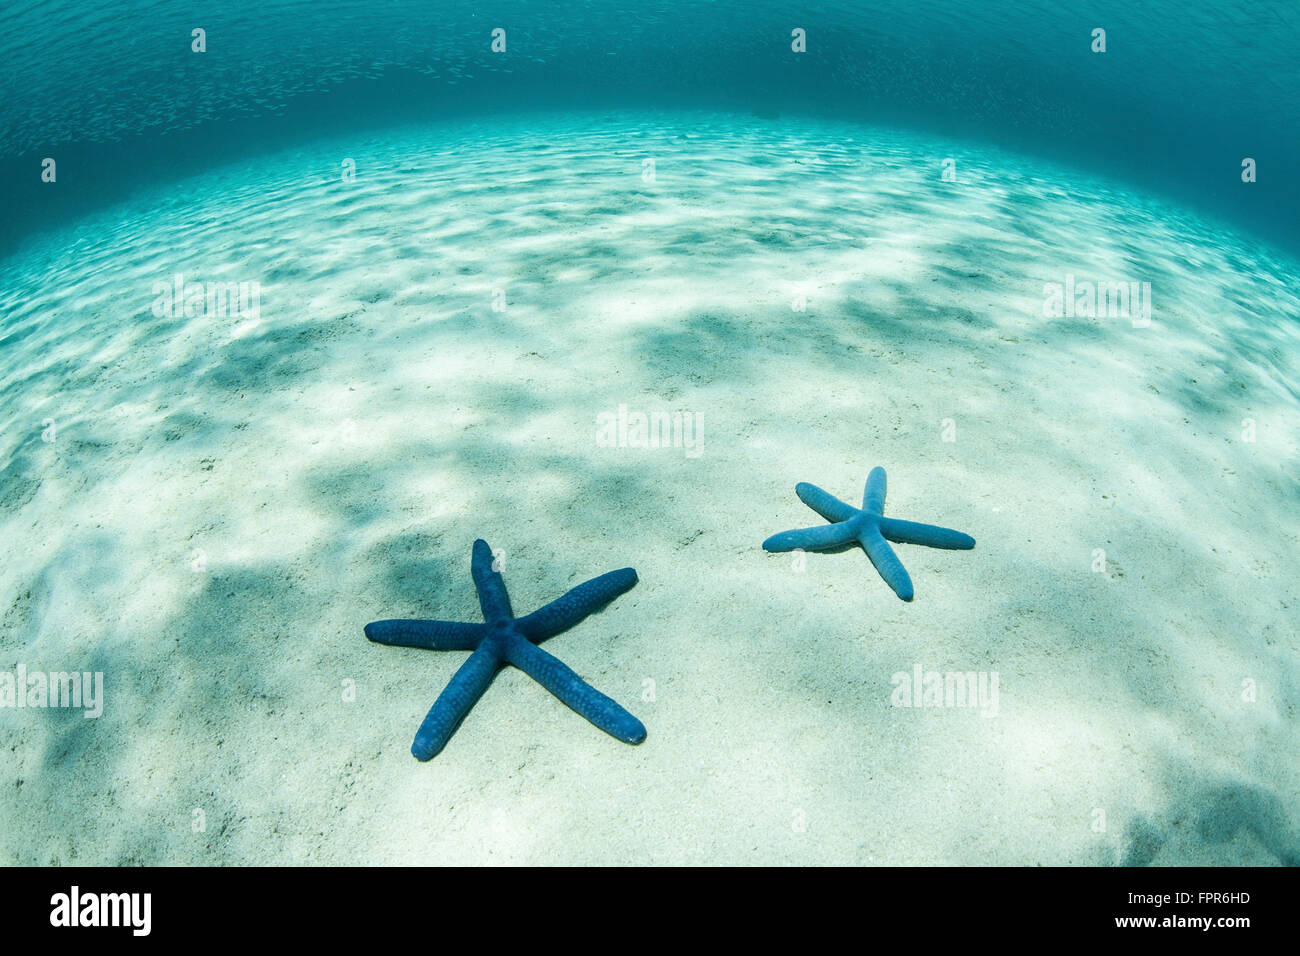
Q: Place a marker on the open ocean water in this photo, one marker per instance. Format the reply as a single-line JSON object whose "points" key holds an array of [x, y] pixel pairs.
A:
{"points": [[297, 300]]}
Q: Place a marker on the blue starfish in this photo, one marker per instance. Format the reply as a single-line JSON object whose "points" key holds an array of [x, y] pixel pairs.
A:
{"points": [[869, 527], [507, 639]]}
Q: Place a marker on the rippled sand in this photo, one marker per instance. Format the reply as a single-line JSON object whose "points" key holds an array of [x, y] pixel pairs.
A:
{"points": [[225, 501]]}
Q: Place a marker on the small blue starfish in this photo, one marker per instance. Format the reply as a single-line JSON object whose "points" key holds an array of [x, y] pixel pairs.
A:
{"points": [[869, 527], [507, 639]]}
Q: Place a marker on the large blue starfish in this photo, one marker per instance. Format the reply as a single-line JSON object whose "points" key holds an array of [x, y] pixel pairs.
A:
{"points": [[507, 639], [869, 527]]}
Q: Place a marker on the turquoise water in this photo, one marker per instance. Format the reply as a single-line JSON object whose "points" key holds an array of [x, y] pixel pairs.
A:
{"points": [[1181, 95], [426, 272]]}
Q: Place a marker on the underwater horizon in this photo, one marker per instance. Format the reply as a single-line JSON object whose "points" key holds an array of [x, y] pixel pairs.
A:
{"points": [[1177, 99], [302, 308]]}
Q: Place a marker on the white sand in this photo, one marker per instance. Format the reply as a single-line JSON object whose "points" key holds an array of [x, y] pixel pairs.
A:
{"points": [[334, 461]]}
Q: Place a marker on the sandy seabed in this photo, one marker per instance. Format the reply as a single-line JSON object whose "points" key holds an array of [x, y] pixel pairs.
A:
{"points": [[208, 508]]}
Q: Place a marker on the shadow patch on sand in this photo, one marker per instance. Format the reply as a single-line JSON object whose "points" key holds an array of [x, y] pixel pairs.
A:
{"points": [[1211, 817]]}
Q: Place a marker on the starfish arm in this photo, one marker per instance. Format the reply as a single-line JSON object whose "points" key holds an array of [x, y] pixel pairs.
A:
{"points": [[577, 694], [432, 635], [455, 701], [492, 596], [822, 538], [932, 536], [887, 563], [824, 503], [873, 499], [567, 610]]}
